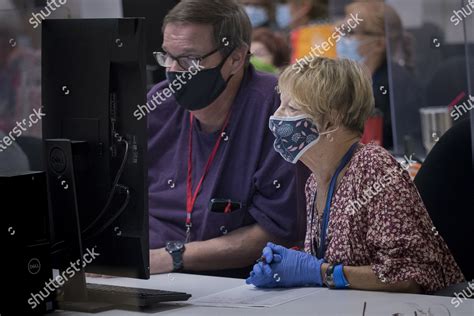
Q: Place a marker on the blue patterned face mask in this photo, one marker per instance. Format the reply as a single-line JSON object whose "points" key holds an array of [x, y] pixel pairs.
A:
{"points": [[294, 135]]}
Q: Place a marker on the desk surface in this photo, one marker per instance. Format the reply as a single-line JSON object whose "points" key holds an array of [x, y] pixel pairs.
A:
{"points": [[324, 302]]}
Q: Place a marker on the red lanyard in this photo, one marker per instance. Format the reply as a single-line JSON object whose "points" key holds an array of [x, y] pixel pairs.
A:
{"points": [[190, 196]]}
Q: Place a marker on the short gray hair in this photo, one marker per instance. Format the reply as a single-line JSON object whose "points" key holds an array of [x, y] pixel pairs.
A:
{"points": [[228, 18]]}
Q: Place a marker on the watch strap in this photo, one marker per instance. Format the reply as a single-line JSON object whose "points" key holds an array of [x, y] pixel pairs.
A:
{"points": [[340, 280], [329, 281], [177, 260], [176, 255]]}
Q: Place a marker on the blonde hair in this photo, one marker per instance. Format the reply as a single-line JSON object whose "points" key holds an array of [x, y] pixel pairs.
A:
{"points": [[329, 90]]}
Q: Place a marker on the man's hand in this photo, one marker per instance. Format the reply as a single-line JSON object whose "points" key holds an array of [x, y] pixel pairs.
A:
{"points": [[160, 261], [237, 249]]}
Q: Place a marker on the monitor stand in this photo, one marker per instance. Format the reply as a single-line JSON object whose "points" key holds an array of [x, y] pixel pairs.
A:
{"points": [[74, 295], [85, 307], [62, 186]]}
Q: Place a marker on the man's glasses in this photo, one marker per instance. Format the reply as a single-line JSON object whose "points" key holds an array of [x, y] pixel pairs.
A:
{"points": [[185, 62]]}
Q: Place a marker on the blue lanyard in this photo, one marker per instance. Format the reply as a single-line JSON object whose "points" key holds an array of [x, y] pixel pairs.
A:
{"points": [[327, 210]]}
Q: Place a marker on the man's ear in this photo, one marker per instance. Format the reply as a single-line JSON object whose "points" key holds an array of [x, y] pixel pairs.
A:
{"points": [[238, 59]]}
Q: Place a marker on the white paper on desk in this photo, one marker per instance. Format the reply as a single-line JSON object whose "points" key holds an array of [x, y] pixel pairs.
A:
{"points": [[250, 296]]}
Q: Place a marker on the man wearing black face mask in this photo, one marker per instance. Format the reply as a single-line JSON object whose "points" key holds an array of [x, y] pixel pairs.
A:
{"points": [[208, 141]]}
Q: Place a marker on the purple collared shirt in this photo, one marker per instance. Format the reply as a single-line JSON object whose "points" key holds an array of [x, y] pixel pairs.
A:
{"points": [[246, 169]]}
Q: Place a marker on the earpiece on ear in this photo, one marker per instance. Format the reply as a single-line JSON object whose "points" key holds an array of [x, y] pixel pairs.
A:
{"points": [[329, 137]]}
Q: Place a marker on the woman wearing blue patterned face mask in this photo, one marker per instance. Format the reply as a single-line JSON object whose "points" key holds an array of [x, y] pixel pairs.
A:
{"points": [[295, 135], [367, 228]]}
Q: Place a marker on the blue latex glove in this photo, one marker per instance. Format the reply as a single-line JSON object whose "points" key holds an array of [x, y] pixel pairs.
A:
{"points": [[285, 268]]}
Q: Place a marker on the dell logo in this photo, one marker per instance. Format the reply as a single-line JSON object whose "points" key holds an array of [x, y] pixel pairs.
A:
{"points": [[34, 266]]}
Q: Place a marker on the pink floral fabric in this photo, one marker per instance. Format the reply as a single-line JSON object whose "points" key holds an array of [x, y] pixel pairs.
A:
{"points": [[378, 219]]}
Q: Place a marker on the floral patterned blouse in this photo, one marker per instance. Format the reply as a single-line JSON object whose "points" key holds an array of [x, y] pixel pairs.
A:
{"points": [[378, 218]]}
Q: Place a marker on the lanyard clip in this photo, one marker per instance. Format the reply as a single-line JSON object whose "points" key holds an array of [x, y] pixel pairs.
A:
{"points": [[188, 232]]}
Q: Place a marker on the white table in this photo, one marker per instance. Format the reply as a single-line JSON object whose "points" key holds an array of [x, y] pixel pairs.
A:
{"points": [[324, 302]]}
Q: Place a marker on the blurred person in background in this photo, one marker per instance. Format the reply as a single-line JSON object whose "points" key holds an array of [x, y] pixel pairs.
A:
{"points": [[9, 28], [385, 53], [260, 12], [20, 73], [291, 14], [270, 51], [12, 158]]}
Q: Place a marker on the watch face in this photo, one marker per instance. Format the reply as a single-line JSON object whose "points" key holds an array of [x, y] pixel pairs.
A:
{"points": [[330, 277], [174, 246]]}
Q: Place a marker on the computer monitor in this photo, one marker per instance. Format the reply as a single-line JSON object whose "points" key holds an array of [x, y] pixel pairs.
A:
{"points": [[93, 77], [154, 12]]}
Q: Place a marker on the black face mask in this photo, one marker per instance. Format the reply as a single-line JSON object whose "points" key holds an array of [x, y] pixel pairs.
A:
{"points": [[200, 89]]}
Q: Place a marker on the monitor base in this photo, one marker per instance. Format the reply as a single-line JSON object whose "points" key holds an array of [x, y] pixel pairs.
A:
{"points": [[85, 307]]}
